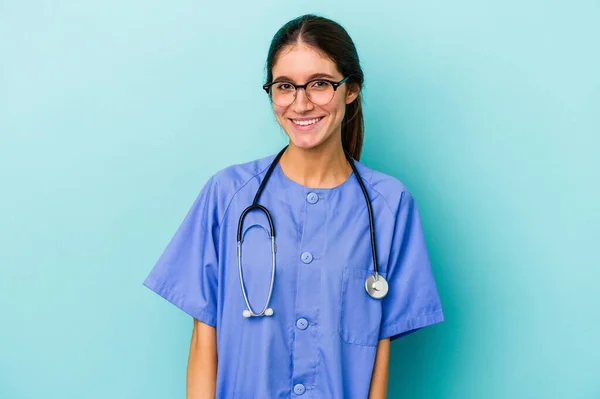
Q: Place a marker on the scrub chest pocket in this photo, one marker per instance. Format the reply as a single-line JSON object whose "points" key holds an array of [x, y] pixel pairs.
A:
{"points": [[360, 314]]}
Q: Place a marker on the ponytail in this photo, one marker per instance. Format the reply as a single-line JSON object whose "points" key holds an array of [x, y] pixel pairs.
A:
{"points": [[353, 128]]}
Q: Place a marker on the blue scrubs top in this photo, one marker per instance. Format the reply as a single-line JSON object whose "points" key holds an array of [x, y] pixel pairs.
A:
{"points": [[322, 338]]}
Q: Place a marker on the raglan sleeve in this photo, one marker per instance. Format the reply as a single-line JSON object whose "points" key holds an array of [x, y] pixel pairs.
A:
{"points": [[412, 301], [186, 272]]}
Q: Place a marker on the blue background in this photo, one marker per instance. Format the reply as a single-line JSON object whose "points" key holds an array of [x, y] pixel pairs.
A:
{"points": [[113, 114]]}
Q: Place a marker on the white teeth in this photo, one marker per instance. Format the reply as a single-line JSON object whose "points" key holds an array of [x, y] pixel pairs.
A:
{"points": [[306, 123]]}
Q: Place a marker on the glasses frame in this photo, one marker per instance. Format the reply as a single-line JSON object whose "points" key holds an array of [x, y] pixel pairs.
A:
{"points": [[333, 83]]}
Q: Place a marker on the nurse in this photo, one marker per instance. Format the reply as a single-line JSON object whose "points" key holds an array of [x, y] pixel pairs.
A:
{"points": [[326, 336]]}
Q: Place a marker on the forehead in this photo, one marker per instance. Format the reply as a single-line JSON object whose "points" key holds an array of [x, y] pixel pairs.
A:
{"points": [[299, 62]]}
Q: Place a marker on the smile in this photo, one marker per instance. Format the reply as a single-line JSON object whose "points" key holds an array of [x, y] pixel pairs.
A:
{"points": [[306, 122]]}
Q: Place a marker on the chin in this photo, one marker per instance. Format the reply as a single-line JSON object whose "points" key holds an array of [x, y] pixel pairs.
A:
{"points": [[305, 143], [306, 140]]}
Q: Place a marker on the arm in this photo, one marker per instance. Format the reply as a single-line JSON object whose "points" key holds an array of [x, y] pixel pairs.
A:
{"points": [[379, 380], [202, 362]]}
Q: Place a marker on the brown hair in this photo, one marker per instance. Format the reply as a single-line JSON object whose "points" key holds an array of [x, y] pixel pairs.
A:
{"points": [[331, 39]]}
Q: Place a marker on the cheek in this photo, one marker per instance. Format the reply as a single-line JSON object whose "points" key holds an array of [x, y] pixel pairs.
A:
{"points": [[337, 110], [278, 114]]}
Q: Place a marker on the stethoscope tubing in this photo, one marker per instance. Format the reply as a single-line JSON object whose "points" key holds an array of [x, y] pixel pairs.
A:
{"points": [[249, 312]]}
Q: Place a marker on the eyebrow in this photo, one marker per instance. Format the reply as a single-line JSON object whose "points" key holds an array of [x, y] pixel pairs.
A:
{"points": [[313, 76]]}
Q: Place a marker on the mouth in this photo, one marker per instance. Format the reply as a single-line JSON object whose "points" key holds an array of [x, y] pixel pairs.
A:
{"points": [[306, 124]]}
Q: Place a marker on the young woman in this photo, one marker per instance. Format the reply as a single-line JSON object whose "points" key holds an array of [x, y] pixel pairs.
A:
{"points": [[300, 295]]}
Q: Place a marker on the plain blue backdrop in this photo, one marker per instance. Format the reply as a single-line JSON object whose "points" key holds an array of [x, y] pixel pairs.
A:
{"points": [[113, 114]]}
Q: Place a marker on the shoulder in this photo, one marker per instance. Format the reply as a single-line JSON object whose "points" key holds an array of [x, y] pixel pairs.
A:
{"points": [[223, 186], [231, 179], [389, 188]]}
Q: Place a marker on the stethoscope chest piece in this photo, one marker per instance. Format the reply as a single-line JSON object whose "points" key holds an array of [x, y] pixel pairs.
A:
{"points": [[377, 287]]}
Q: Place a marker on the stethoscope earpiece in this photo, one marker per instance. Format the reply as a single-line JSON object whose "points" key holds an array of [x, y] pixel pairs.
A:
{"points": [[247, 314]]}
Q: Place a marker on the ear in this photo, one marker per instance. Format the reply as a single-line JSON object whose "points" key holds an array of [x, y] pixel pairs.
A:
{"points": [[352, 92]]}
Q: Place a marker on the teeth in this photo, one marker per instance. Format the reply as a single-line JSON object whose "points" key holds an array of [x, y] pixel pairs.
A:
{"points": [[306, 123]]}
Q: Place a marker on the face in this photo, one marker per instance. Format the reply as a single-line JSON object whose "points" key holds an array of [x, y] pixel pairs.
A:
{"points": [[309, 125]]}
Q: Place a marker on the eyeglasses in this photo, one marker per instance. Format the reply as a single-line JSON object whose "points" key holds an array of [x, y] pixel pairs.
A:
{"points": [[318, 91]]}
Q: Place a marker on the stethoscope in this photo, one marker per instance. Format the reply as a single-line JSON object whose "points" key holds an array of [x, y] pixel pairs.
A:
{"points": [[376, 285]]}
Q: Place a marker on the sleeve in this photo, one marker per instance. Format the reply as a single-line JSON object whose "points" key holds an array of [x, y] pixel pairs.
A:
{"points": [[186, 272], [412, 301]]}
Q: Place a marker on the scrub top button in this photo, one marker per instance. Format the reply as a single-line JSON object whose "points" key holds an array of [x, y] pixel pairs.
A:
{"points": [[312, 198], [302, 323], [306, 257], [299, 389]]}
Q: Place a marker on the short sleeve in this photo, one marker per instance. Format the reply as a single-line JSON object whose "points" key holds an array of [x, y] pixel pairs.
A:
{"points": [[412, 301], [186, 272]]}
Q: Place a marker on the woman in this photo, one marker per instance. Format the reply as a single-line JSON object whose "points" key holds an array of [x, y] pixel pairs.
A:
{"points": [[318, 331]]}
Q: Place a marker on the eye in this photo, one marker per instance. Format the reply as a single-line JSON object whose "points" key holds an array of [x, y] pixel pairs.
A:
{"points": [[320, 85], [284, 86]]}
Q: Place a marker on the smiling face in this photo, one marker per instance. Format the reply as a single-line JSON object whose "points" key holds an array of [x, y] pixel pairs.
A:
{"points": [[309, 125]]}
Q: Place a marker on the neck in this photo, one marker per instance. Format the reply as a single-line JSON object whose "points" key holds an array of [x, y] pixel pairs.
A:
{"points": [[321, 167]]}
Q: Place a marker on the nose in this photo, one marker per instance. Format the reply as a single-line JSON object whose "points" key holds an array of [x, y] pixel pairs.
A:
{"points": [[301, 103]]}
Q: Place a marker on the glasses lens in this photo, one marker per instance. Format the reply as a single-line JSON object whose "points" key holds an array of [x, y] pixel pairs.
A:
{"points": [[320, 92], [282, 93]]}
